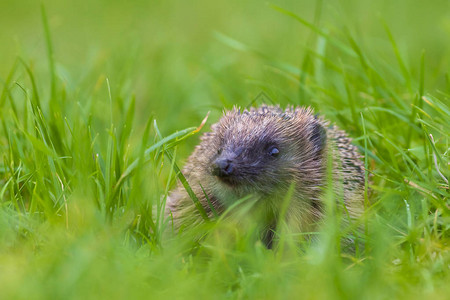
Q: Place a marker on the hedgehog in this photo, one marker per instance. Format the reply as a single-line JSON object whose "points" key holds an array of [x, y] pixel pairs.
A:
{"points": [[264, 152]]}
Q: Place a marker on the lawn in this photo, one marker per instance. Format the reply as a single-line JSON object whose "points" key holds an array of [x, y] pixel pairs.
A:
{"points": [[101, 102]]}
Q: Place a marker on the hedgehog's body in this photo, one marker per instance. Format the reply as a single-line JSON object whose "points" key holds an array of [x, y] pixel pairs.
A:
{"points": [[264, 152]]}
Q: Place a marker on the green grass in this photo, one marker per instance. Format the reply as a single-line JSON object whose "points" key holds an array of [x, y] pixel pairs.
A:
{"points": [[100, 104]]}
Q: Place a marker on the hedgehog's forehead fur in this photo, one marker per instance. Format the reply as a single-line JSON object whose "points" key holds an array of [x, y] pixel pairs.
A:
{"points": [[245, 127]]}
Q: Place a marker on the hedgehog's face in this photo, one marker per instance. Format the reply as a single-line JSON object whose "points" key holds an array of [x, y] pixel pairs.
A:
{"points": [[263, 152], [254, 164], [251, 155]]}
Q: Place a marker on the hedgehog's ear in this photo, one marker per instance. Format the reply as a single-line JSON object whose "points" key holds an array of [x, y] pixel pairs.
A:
{"points": [[318, 137]]}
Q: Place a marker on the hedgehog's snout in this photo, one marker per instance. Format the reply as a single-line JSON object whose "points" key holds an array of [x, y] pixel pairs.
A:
{"points": [[223, 167]]}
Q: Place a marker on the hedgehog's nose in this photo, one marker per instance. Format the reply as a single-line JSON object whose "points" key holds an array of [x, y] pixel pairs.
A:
{"points": [[223, 167]]}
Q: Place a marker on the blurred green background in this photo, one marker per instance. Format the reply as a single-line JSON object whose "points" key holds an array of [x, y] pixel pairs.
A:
{"points": [[167, 52], [379, 69]]}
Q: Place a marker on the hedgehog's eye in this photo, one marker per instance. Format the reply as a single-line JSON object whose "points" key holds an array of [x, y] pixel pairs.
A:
{"points": [[219, 151], [273, 151]]}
